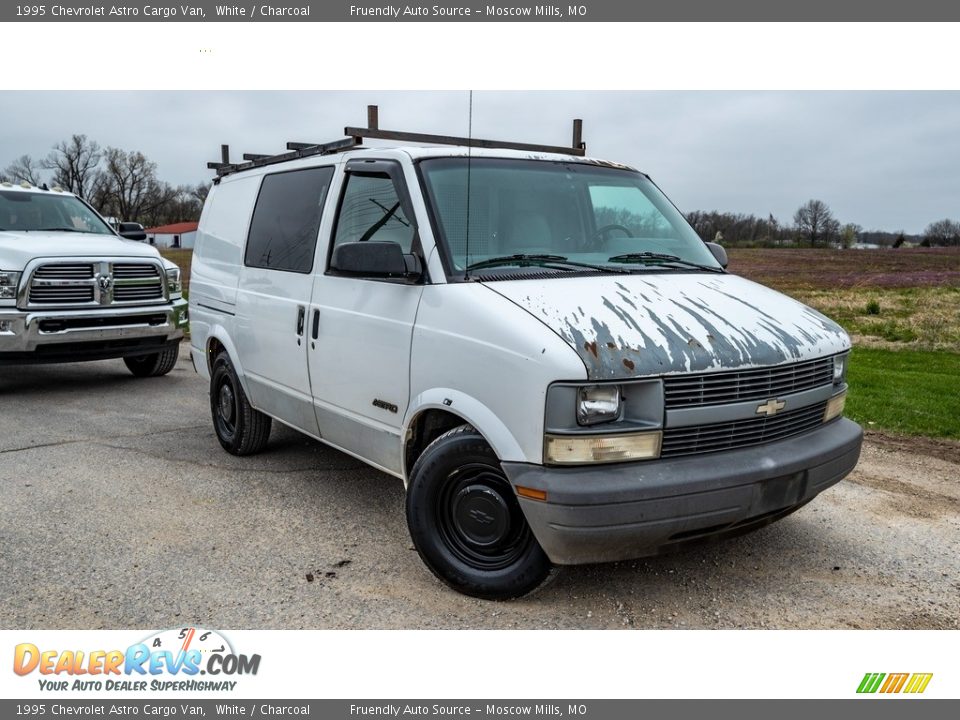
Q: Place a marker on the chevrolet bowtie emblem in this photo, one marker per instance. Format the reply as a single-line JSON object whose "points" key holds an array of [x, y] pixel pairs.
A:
{"points": [[771, 407]]}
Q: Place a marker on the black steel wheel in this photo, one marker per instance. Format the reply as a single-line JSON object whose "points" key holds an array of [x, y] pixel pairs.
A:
{"points": [[240, 428], [466, 523]]}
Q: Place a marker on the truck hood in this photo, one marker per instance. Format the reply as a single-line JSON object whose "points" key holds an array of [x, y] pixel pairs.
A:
{"points": [[19, 248], [625, 326]]}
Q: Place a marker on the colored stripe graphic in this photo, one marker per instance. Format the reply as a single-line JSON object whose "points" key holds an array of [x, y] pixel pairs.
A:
{"points": [[870, 682], [894, 683], [918, 683]]}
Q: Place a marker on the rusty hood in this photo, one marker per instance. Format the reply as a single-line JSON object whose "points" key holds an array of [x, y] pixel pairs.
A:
{"points": [[657, 323]]}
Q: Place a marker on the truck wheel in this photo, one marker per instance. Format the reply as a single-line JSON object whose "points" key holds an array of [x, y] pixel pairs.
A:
{"points": [[240, 429], [155, 364], [466, 523]]}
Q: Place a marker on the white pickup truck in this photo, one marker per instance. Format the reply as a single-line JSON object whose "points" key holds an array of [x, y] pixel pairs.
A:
{"points": [[71, 288]]}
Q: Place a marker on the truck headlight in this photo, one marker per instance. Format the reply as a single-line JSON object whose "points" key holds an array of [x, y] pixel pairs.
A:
{"points": [[619, 447], [8, 285], [839, 368], [174, 286], [598, 404]]}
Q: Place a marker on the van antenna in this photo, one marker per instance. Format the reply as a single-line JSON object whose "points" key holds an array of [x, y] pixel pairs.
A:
{"points": [[466, 263]]}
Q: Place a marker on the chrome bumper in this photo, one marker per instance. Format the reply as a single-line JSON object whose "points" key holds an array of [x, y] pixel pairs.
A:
{"points": [[27, 331]]}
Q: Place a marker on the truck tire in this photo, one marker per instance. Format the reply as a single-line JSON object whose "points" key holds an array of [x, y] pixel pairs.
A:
{"points": [[155, 364], [240, 428], [466, 523]]}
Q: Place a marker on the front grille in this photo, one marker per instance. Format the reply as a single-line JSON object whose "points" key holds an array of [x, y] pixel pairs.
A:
{"points": [[683, 391], [61, 294], [130, 270], [127, 293], [72, 271], [697, 439], [96, 282]]}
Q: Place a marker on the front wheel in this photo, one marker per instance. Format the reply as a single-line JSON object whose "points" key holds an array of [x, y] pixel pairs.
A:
{"points": [[466, 523], [155, 364], [241, 429]]}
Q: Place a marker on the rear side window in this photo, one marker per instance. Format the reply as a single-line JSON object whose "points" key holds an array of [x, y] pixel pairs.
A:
{"points": [[286, 220]]}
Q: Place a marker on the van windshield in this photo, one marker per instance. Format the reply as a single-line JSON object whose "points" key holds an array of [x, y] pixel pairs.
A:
{"points": [[557, 216], [43, 211]]}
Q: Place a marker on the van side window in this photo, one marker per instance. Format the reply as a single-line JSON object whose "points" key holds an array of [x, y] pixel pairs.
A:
{"points": [[371, 210], [286, 220]]}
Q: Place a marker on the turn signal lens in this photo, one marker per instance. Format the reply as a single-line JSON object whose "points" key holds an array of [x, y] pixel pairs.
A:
{"points": [[584, 449], [835, 406]]}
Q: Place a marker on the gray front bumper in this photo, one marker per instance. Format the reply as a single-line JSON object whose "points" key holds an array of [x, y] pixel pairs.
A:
{"points": [[619, 512], [64, 335]]}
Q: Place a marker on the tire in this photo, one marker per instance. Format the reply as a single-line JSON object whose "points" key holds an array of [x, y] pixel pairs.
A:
{"points": [[466, 523], [240, 428], [155, 364]]}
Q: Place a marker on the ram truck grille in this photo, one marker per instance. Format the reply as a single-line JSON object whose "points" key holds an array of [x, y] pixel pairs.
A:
{"points": [[82, 284]]}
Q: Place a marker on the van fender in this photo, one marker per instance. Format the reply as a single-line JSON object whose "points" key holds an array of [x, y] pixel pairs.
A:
{"points": [[219, 333], [472, 411]]}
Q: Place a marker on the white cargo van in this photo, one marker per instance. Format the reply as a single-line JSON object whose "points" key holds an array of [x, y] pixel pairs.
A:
{"points": [[535, 342]]}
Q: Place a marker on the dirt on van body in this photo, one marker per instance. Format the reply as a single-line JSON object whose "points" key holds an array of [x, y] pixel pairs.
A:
{"points": [[120, 510]]}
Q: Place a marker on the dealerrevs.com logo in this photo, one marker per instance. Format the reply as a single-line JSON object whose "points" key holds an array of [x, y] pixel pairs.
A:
{"points": [[168, 660]]}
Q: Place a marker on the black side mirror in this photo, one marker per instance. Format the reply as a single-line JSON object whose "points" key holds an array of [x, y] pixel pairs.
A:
{"points": [[718, 253], [131, 231], [375, 259]]}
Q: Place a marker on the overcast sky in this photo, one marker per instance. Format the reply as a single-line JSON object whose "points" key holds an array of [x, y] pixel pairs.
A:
{"points": [[885, 160]]}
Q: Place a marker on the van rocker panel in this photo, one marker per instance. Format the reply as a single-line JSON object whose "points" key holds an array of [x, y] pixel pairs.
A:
{"points": [[631, 510]]}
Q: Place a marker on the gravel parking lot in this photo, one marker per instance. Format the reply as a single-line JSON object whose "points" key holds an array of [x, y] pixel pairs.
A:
{"points": [[120, 510]]}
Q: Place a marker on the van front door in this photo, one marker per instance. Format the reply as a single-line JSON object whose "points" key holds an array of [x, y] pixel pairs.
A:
{"points": [[361, 327], [275, 286]]}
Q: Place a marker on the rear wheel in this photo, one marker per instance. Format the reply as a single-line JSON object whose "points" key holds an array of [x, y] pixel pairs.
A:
{"points": [[240, 428], [466, 523], [155, 364]]}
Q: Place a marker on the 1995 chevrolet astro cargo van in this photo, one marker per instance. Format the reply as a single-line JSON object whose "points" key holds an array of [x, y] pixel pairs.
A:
{"points": [[535, 342]]}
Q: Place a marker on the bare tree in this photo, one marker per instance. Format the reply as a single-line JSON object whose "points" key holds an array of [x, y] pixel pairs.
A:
{"points": [[75, 164], [24, 169], [942, 232], [815, 222], [130, 188]]}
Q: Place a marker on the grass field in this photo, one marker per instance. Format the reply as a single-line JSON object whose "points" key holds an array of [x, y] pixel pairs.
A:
{"points": [[902, 308]]}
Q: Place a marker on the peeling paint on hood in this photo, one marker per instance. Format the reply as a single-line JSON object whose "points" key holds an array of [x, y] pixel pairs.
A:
{"points": [[625, 326]]}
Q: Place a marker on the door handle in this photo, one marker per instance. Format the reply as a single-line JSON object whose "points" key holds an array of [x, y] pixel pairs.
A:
{"points": [[316, 324], [301, 312]]}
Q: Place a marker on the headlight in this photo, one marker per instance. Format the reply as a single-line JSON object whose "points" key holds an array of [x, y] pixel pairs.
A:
{"points": [[173, 281], [620, 447], [8, 285], [598, 404], [839, 368]]}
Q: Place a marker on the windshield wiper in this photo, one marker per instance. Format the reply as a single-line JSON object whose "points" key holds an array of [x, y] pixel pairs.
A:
{"points": [[523, 259], [62, 229], [640, 257]]}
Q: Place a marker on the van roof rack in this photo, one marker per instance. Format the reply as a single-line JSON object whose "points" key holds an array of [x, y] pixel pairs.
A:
{"points": [[355, 135]]}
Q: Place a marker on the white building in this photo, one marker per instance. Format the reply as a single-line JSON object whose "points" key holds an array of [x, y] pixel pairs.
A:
{"points": [[178, 235]]}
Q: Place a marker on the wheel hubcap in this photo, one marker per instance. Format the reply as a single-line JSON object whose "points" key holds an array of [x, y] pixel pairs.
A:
{"points": [[479, 518], [226, 402], [481, 515]]}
